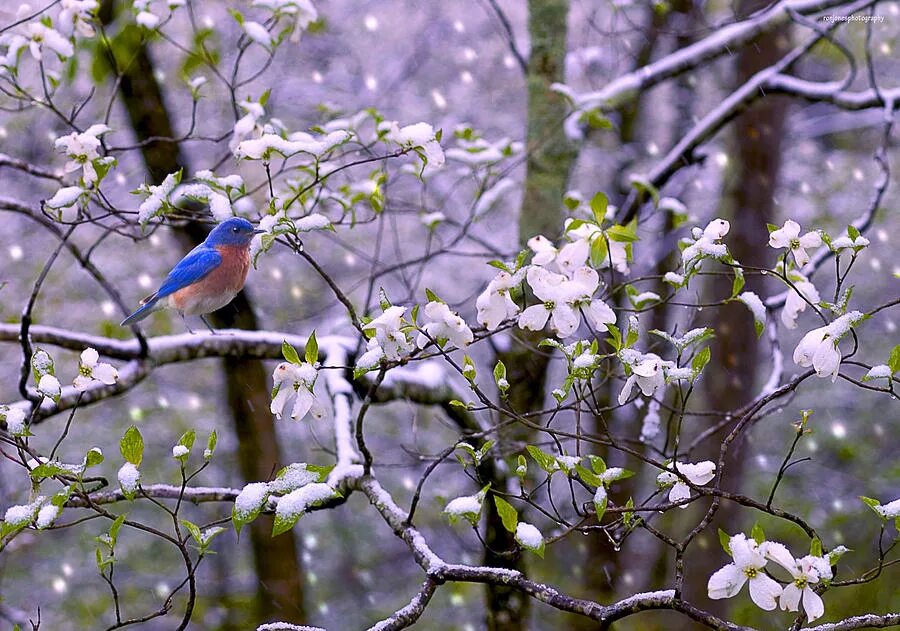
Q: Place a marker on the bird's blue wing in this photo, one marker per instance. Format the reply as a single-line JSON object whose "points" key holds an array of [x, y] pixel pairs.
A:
{"points": [[194, 266]]}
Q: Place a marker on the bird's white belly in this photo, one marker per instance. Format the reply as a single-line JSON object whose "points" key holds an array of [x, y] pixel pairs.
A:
{"points": [[199, 304]]}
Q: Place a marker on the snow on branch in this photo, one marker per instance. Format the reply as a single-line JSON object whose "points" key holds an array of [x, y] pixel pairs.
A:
{"points": [[722, 41], [440, 571]]}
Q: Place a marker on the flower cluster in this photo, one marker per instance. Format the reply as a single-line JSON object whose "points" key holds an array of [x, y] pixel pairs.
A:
{"points": [[749, 561], [293, 390], [819, 347]]}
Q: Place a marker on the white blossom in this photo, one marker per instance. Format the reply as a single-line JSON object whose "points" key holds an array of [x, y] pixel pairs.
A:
{"points": [[706, 243], [806, 573], [82, 149], [819, 347], [389, 334], [647, 373], [544, 251], [495, 305], [698, 473], [294, 391], [42, 37], [795, 304], [444, 324], [91, 370], [561, 298], [76, 15], [789, 237], [747, 565]]}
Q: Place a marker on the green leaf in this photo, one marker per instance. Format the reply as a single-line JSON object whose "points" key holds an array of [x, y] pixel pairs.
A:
{"points": [[601, 500], [193, 529], [431, 296], [500, 265], [187, 439], [815, 547], [700, 360], [597, 464], [283, 523], [724, 537], [544, 460], [588, 477], [500, 377], [628, 516], [757, 534], [599, 249], [94, 457], [874, 505], [615, 337], [622, 234], [132, 446], [290, 353], [114, 530], [852, 232], [599, 204], [312, 348], [508, 514], [738, 284], [894, 359], [47, 470], [211, 443]]}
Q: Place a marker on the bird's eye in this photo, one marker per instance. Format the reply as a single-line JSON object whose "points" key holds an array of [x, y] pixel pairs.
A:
{"points": [[234, 229]]}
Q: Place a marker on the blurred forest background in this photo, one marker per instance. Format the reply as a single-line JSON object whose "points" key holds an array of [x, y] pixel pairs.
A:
{"points": [[453, 63]]}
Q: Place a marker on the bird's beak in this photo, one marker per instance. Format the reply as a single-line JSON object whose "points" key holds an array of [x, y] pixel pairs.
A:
{"points": [[258, 231]]}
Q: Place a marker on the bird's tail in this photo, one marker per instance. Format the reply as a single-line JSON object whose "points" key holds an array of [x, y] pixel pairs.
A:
{"points": [[148, 306]]}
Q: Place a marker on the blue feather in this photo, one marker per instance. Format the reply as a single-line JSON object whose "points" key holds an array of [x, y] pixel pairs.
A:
{"points": [[195, 266]]}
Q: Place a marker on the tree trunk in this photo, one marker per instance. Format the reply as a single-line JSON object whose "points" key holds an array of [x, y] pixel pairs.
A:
{"points": [[279, 594], [550, 158]]}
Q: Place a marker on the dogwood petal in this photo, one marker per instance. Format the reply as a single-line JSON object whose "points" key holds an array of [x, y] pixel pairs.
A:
{"points": [[534, 318], [790, 598], [565, 320], [764, 591], [812, 605], [726, 582]]}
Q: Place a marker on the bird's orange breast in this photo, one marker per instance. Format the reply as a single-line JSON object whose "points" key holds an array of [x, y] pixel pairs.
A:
{"points": [[217, 288]]}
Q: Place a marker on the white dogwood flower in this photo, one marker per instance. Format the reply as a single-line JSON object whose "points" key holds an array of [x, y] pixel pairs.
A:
{"points": [[92, 370], [805, 573], [795, 304], [748, 561], [562, 298], [819, 347], [647, 373], [388, 331], [294, 391], [443, 324], [544, 251], [698, 473], [495, 305], [789, 237], [705, 243], [82, 149]]}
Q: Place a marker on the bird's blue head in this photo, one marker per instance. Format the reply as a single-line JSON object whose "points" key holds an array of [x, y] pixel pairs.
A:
{"points": [[235, 231]]}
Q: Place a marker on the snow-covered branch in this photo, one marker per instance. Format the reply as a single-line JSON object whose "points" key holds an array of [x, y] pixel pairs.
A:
{"points": [[721, 42]]}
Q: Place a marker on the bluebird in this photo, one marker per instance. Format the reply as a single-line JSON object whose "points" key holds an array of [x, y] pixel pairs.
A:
{"points": [[208, 277]]}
